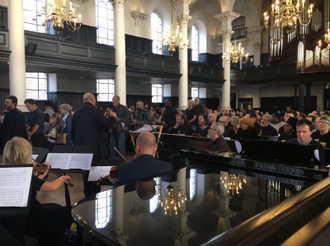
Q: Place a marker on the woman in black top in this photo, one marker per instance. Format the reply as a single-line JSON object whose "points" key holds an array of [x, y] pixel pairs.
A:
{"points": [[246, 130], [45, 222]]}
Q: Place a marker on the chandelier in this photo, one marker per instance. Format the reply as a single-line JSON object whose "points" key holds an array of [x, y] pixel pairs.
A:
{"points": [[58, 13], [172, 39], [327, 39], [287, 13], [234, 183], [172, 200], [235, 53]]}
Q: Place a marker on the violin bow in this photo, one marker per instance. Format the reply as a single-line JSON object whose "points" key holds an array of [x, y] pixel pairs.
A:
{"points": [[120, 153]]}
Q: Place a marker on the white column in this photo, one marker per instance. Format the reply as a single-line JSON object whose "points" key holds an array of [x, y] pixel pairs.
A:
{"points": [[120, 52], [17, 48], [226, 18], [183, 83]]}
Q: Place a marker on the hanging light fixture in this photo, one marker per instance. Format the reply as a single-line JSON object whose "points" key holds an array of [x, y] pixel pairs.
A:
{"points": [[172, 200], [172, 39], [56, 11], [233, 183], [235, 53], [327, 39], [287, 13]]}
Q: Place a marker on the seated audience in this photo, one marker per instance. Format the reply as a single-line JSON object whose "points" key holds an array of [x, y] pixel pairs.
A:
{"points": [[225, 120], [203, 126], [304, 130], [218, 143], [317, 126], [288, 114], [265, 128], [301, 116], [323, 135], [235, 123], [141, 116], [254, 119], [181, 127], [45, 222], [246, 130], [212, 118], [276, 121], [289, 130]]}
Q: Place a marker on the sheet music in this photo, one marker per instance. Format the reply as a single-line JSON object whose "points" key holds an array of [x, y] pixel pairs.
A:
{"points": [[68, 161], [145, 128], [15, 185], [98, 172]]}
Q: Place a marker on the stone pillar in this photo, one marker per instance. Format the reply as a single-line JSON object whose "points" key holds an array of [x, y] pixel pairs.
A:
{"points": [[17, 48], [226, 18], [183, 83], [120, 52]]}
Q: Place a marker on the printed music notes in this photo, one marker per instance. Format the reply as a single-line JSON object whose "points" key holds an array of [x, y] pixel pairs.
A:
{"points": [[68, 161]]}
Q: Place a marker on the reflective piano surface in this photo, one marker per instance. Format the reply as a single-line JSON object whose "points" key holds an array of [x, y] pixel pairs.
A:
{"points": [[119, 217]]}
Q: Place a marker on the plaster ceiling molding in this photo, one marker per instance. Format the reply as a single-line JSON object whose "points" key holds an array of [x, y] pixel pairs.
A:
{"points": [[138, 18]]}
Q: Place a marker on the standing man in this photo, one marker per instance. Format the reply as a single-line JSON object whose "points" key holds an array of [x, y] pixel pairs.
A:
{"points": [[14, 122], [118, 133], [169, 115], [191, 114], [249, 110], [35, 124], [141, 117], [199, 106], [90, 127]]}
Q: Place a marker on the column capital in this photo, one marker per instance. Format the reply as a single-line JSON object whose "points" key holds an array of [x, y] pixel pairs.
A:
{"points": [[138, 18], [183, 19], [118, 3], [226, 34], [227, 16]]}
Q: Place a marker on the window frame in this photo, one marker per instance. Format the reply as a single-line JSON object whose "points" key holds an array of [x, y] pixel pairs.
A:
{"points": [[157, 93], [33, 8], [156, 33], [107, 27], [110, 92], [36, 80], [193, 92]]}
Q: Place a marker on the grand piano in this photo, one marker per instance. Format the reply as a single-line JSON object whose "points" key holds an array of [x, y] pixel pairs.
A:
{"points": [[274, 201]]}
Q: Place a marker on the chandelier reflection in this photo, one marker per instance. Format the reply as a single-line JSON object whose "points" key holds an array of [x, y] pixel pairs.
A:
{"points": [[172, 39], [233, 183], [327, 39], [57, 12], [172, 200], [235, 53], [287, 13]]}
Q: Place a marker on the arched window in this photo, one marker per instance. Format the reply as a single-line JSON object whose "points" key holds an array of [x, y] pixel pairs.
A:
{"points": [[104, 22], [195, 43], [156, 33], [34, 15]]}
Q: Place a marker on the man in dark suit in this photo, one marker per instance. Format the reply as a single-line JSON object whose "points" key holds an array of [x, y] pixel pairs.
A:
{"points": [[169, 115], [14, 122], [90, 127], [142, 169]]}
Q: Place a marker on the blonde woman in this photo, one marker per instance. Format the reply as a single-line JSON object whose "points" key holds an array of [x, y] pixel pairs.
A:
{"points": [[45, 222]]}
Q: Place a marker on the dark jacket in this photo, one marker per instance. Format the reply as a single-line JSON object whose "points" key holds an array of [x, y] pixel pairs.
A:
{"points": [[247, 134], [142, 117], [90, 127], [13, 125], [67, 126], [202, 132], [219, 145], [125, 116], [185, 129], [142, 168], [169, 116], [266, 131], [227, 131]]}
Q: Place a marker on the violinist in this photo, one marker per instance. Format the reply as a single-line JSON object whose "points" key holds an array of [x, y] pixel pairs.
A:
{"points": [[144, 167], [45, 222]]}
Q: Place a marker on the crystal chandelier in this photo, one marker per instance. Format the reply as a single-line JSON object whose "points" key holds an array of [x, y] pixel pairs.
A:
{"points": [[172, 39], [288, 13], [56, 11], [171, 200], [235, 53], [327, 39], [234, 183]]}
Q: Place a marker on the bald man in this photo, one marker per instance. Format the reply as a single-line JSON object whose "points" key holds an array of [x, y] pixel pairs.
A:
{"points": [[144, 167], [90, 127]]}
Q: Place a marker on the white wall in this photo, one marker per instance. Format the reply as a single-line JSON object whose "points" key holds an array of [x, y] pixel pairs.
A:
{"points": [[253, 93], [4, 3], [87, 11]]}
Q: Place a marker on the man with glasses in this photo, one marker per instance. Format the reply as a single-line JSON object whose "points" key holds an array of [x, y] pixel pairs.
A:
{"points": [[142, 116], [323, 135], [218, 143]]}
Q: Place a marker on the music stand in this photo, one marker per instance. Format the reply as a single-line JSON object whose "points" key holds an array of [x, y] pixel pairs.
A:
{"points": [[82, 149], [15, 210], [139, 131], [41, 152]]}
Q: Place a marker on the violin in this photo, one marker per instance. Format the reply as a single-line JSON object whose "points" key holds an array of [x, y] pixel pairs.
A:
{"points": [[43, 168], [114, 171]]}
